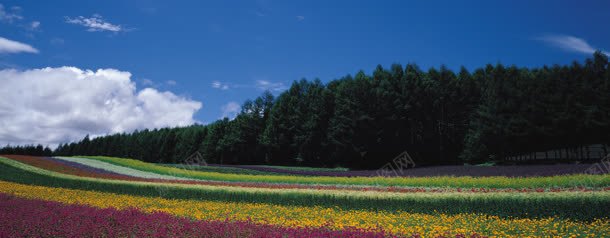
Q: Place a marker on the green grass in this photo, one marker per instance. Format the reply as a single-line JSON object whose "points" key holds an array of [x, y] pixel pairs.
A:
{"points": [[224, 170], [577, 206], [313, 169], [562, 181], [486, 164]]}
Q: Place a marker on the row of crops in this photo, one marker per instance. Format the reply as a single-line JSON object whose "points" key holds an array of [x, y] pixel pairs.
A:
{"points": [[180, 200]]}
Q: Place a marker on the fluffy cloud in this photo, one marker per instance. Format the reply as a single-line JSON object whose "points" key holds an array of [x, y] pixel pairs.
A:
{"points": [[569, 43], [230, 110], [55, 105], [9, 46], [95, 23]]}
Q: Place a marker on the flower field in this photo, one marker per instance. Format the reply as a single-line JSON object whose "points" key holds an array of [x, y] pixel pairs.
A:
{"points": [[114, 197]]}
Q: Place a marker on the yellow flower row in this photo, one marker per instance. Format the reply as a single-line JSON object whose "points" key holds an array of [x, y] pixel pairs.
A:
{"points": [[395, 222]]}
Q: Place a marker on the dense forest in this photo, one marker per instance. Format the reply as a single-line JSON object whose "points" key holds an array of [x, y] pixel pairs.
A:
{"points": [[364, 121]]}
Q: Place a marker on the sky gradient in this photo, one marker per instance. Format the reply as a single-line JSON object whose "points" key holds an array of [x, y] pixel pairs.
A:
{"points": [[220, 53]]}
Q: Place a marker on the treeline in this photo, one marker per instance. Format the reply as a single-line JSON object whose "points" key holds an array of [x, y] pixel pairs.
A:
{"points": [[364, 121], [37, 150]]}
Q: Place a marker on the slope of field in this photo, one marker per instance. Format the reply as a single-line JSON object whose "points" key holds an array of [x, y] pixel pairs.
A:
{"points": [[302, 206], [576, 180]]}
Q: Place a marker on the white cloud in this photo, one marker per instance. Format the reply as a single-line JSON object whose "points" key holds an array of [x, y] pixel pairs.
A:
{"points": [[230, 110], [55, 105], [34, 25], [216, 84], [271, 86], [260, 84], [9, 46], [569, 43], [300, 18], [14, 16], [95, 23], [11, 15], [171, 82], [220, 85]]}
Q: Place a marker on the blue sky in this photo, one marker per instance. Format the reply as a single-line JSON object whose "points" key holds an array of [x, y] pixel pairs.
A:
{"points": [[223, 52]]}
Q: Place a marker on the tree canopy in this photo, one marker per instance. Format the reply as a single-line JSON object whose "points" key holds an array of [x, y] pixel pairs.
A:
{"points": [[364, 121]]}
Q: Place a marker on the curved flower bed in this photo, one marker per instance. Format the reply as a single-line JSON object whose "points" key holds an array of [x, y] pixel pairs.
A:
{"points": [[564, 181], [449, 170], [78, 169], [119, 169], [246, 209], [38, 218], [66, 167], [398, 223]]}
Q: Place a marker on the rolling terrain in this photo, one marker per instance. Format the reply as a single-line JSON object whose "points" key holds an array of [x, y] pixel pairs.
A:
{"points": [[192, 200]]}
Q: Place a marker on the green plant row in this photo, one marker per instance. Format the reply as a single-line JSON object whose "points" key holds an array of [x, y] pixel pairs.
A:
{"points": [[562, 181], [224, 170], [312, 169], [570, 205]]}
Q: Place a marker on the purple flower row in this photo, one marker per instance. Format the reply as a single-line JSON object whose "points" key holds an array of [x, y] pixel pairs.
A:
{"points": [[449, 170], [81, 166], [34, 218]]}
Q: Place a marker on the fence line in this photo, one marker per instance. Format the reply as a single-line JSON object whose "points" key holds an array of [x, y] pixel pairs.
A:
{"points": [[588, 152]]}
